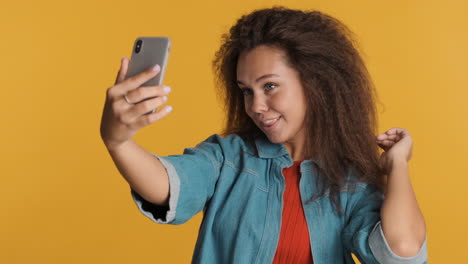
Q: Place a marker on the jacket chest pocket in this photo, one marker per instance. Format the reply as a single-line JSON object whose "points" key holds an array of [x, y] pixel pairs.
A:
{"points": [[240, 215]]}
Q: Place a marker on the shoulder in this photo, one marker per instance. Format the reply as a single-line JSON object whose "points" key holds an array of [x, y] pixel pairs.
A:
{"points": [[229, 145]]}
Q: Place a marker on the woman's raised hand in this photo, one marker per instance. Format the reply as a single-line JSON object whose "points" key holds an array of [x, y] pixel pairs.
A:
{"points": [[129, 106], [397, 144]]}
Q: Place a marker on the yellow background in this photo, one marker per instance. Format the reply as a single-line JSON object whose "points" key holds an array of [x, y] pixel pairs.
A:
{"points": [[63, 200]]}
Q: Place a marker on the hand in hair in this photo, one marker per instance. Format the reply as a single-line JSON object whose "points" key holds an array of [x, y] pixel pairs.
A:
{"points": [[397, 145]]}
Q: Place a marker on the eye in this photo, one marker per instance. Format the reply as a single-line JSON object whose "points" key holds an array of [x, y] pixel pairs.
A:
{"points": [[270, 84], [246, 91], [267, 86]]}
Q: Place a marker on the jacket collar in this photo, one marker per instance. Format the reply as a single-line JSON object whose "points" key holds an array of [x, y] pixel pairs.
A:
{"points": [[268, 149]]}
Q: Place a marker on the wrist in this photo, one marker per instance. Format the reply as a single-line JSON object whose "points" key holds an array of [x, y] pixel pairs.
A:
{"points": [[395, 163], [115, 146]]}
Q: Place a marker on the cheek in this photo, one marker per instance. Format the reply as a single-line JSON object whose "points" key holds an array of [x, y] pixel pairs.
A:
{"points": [[282, 104], [247, 108], [291, 106]]}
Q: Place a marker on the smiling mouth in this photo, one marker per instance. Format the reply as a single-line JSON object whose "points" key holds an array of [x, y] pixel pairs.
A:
{"points": [[270, 122]]}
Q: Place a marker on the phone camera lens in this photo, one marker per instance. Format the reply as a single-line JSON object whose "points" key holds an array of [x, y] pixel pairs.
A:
{"points": [[138, 46]]}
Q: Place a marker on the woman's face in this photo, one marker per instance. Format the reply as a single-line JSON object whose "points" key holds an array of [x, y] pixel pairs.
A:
{"points": [[273, 95]]}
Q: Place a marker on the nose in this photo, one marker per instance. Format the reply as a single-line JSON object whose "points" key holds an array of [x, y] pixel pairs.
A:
{"points": [[259, 104]]}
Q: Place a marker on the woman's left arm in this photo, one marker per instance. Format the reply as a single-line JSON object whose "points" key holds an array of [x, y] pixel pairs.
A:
{"points": [[402, 221]]}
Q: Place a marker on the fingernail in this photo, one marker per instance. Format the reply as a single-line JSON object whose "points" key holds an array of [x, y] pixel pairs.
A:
{"points": [[164, 98], [169, 108], [156, 67], [167, 89]]}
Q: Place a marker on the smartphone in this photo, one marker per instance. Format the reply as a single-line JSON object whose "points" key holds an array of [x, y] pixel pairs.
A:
{"points": [[147, 52]]}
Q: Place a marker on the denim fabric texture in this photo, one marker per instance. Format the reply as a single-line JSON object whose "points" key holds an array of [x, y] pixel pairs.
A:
{"points": [[239, 186]]}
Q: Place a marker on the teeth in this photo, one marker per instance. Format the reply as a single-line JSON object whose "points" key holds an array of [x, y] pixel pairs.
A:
{"points": [[269, 121]]}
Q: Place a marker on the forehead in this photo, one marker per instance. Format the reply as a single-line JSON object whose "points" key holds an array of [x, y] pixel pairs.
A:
{"points": [[260, 60]]}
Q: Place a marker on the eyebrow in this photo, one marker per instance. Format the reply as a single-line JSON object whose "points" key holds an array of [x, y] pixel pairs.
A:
{"points": [[260, 78]]}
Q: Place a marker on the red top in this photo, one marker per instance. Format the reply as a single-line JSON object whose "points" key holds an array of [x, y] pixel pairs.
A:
{"points": [[294, 245]]}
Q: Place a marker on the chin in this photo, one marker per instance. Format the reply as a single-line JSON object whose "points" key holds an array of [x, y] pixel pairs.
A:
{"points": [[275, 138]]}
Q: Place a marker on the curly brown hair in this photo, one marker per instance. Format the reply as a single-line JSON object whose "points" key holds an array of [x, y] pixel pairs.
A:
{"points": [[341, 119]]}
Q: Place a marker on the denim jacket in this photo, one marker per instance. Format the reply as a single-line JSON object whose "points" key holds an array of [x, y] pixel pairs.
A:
{"points": [[239, 186]]}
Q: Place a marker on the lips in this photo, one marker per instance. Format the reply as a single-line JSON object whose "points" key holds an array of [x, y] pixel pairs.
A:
{"points": [[269, 122]]}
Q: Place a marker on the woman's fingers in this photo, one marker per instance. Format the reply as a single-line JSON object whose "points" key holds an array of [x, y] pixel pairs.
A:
{"points": [[393, 131], [140, 109], [153, 117], [128, 106], [136, 81], [386, 144], [388, 137], [143, 93], [401, 132], [122, 71], [391, 137]]}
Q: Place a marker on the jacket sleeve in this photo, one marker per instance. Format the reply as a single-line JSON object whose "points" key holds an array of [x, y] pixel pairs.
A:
{"points": [[363, 234], [192, 179]]}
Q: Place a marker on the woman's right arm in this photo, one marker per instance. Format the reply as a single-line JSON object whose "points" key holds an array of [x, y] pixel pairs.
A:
{"points": [[144, 173], [122, 118]]}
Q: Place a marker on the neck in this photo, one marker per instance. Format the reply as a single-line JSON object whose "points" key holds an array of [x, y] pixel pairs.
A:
{"points": [[296, 146], [295, 150]]}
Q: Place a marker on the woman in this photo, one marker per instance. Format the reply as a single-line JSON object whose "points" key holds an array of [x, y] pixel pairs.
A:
{"points": [[297, 176]]}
